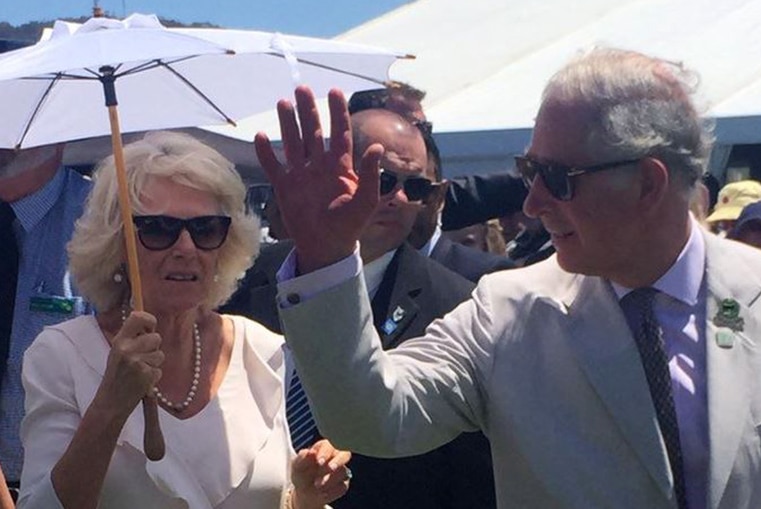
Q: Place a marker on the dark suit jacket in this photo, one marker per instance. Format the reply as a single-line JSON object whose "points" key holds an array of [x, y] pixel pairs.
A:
{"points": [[468, 262], [256, 294], [478, 198], [414, 291]]}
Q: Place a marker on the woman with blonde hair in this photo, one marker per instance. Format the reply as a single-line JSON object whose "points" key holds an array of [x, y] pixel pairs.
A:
{"points": [[219, 380]]}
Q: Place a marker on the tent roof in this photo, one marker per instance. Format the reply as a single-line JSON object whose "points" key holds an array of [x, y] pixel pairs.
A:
{"points": [[484, 63]]}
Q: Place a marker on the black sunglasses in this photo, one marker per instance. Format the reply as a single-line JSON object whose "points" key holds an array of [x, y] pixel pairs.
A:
{"points": [[416, 188], [558, 178], [161, 232]]}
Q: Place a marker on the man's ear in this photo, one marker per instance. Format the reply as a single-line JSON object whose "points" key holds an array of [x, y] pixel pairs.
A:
{"points": [[655, 181]]}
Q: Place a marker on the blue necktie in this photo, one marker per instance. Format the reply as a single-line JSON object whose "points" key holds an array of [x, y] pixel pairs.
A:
{"points": [[649, 338], [300, 421]]}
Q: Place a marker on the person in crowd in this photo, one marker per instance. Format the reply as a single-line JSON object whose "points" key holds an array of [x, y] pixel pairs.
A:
{"points": [[621, 372], [407, 291], [426, 234], [533, 244], [39, 202], [218, 380], [732, 198], [747, 229], [473, 236], [469, 200]]}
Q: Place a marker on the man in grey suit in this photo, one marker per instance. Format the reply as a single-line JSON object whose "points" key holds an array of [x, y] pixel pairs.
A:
{"points": [[622, 372]]}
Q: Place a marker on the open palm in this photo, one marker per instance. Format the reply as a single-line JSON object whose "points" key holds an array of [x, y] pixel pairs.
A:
{"points": [[325, 201]]}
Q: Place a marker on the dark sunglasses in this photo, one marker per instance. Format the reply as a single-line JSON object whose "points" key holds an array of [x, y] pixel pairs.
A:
{"points": [[558, 178], [161, 232], [416, 188]]}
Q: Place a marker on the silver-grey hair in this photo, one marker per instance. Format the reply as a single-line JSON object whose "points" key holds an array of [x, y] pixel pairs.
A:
{"points": [[96, 250], [638, 106]]}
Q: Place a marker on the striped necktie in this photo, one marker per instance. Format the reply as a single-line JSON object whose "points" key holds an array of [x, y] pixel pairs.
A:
{"points": [[649, 338], [300, 421]]}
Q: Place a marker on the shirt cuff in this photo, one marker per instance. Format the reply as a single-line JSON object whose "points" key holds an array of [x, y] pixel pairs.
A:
{"points": [[294, 289]]}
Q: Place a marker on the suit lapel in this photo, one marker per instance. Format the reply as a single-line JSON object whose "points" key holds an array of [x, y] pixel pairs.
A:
{"points": [[394, 306], [609, 357], [728, 364]]}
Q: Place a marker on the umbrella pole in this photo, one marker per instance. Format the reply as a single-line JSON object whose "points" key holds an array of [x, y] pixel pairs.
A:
{"points": [[153, 439]]}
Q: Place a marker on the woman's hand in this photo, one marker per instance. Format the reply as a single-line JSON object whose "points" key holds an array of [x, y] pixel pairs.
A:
{"points": [[319, 476], [134, 362]]}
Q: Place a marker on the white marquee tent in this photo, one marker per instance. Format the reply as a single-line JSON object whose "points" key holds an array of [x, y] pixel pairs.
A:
{"points": [[484, 63]]}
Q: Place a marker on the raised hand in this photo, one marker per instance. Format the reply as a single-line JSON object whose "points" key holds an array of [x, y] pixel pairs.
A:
{"points": [[319, 475], [324, 200]]}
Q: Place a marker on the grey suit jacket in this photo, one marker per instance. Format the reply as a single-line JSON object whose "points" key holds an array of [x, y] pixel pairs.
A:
{"points": [[544, 363]]}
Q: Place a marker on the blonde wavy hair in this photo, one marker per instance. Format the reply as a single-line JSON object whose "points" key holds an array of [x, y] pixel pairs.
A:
{"points": [[96, 250]]}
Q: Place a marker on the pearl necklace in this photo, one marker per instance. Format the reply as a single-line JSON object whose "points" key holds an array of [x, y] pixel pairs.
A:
{"points": [[179, 407]]}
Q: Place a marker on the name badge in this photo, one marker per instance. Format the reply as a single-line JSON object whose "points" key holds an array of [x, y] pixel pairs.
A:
{"points": [[52, 304]]}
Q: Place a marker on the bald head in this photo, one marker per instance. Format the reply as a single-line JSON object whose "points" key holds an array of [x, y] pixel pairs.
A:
{"points": [[388, 129], [404, 157]]}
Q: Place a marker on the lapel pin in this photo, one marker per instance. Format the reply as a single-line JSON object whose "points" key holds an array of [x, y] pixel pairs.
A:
{"points": [[392, 322], [389, 326], [728, 315], [725, 339]]}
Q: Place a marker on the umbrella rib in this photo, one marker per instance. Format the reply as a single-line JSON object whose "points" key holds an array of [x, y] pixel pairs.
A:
{"points": [[37, 110], [152, 65], [197, 91], [335, 69]]}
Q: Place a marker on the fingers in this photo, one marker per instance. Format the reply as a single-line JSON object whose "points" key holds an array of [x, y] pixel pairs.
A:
{"points": [[315, 476], [340, 125], [267, 158], [289, 131], [311, 128], [369, 175], [327, 453], [138, 322]]}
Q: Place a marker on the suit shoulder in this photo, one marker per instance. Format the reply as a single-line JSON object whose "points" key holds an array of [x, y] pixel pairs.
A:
{"points": [[543, 279], [445, 276], [489, 261]]}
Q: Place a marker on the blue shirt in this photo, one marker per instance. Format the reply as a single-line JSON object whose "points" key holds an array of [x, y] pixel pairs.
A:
{"points": [[44, 295], [680, 308]]}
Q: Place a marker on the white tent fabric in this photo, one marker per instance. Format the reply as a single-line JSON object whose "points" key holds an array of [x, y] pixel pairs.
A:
{"points": [[484, 63]]}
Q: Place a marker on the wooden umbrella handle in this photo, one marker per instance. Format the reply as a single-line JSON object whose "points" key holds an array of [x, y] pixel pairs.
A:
{"points": [[153, 439]]}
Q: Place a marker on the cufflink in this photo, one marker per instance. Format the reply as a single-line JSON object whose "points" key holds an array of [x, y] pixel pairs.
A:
{"points": [[293, 298]]}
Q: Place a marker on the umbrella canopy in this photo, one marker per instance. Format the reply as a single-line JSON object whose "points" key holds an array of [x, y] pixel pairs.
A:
{"points": [[165, 78], [53, 92]]}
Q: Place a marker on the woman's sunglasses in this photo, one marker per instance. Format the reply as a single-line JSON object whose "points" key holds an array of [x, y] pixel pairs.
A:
{"points": [[558, 178], [161, 232], [416, 188]]}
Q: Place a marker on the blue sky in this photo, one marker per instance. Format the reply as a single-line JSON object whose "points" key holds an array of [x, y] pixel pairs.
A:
{"points": [[320, 18]]}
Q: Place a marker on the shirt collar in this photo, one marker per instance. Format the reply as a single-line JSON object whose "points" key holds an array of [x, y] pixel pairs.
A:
{"points": [[682, 280], [427, 248], [375, 270], [32, 208]]}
